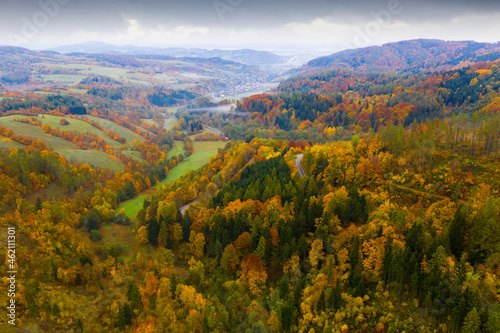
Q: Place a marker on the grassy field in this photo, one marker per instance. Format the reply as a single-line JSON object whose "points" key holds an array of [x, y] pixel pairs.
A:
{"points": [[63, 147], [93, 157], [40, 92], [134, 154], [85, 69], [78, 91], [62, 78], [78, 126], [7, 143], [120, 130], [172, 123], [55, 143], [177, 149], [133, 206], [203, 152]]}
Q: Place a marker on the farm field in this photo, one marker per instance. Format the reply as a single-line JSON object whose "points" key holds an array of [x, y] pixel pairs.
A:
{"points": [[78, 91], [86, 69], [69, 79], [78, 126], [203, 152], [93, 157], [55, 143], [6, 143], [120, 130], [63, 147], [177, 149]]}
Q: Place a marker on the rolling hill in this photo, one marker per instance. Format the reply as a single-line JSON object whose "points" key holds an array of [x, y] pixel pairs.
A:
{"points": [[244, 56], [414, 56]]}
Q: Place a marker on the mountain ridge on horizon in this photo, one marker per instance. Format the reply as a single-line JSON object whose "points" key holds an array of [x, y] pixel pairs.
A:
{"points": [[246, 56], [415, 55]]}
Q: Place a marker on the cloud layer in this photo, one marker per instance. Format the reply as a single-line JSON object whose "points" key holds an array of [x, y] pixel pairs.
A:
{"points": [[236, 23]]}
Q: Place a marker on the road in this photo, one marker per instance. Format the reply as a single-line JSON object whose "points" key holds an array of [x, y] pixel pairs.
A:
{"points": [[184, 208], [217, 131], [165, 123], [297, 163]]}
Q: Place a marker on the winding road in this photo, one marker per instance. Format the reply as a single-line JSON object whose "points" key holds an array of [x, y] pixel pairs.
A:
{"points": [[184, 208], [297, 163], [165, 123], [217, 131]]}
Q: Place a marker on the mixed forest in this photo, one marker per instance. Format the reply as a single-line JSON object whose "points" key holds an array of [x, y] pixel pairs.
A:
{"points": [[342, 201]]}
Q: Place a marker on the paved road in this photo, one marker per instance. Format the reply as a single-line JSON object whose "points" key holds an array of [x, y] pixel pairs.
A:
{"points": [[297, 163], [184, 208], [216, 130], [165, 123]]}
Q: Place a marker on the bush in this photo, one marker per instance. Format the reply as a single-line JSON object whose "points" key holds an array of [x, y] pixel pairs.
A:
{"points": [[113, 249], [121, 219], [95, 236], [93, 220]]}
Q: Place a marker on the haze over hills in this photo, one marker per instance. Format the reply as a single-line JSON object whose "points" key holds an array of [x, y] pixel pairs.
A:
{"points": [[244, 56], [415, 56]]}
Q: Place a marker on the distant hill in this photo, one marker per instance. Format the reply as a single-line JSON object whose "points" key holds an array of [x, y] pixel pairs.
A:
{"points": [[4, 50], [421, 55], [244, 56]]}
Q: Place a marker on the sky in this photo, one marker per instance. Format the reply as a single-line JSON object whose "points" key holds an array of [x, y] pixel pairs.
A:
{"points": [[275, 25]]}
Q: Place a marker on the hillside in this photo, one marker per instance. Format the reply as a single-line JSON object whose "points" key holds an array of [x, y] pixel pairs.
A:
{"points": [[343, 201], [206, 73], [244, 56], [413, 56]]}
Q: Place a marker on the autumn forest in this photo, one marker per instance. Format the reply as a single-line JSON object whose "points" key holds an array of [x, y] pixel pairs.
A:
{"points": [[346, 199]]}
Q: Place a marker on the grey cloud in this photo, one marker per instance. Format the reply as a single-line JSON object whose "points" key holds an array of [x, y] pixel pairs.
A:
{"points": [[108, 16]]}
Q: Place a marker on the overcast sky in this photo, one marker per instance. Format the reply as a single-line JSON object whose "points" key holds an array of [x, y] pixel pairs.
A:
{"points": [[264, 24]]}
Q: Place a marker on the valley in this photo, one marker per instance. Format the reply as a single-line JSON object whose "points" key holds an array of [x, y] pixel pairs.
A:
{"points": [[196, 190]]}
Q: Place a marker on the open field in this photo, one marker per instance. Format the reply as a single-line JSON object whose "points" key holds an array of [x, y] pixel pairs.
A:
{"points": [[177, 149], [78, 91], [62, 78], [120, 130], [203, 152], [208, 146], [172, 123], [6, 143], [93, 157], [78, 126], [40, 92], [63, 147], [134, 154], [133, 206], [55, 143], [86, 69]]}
